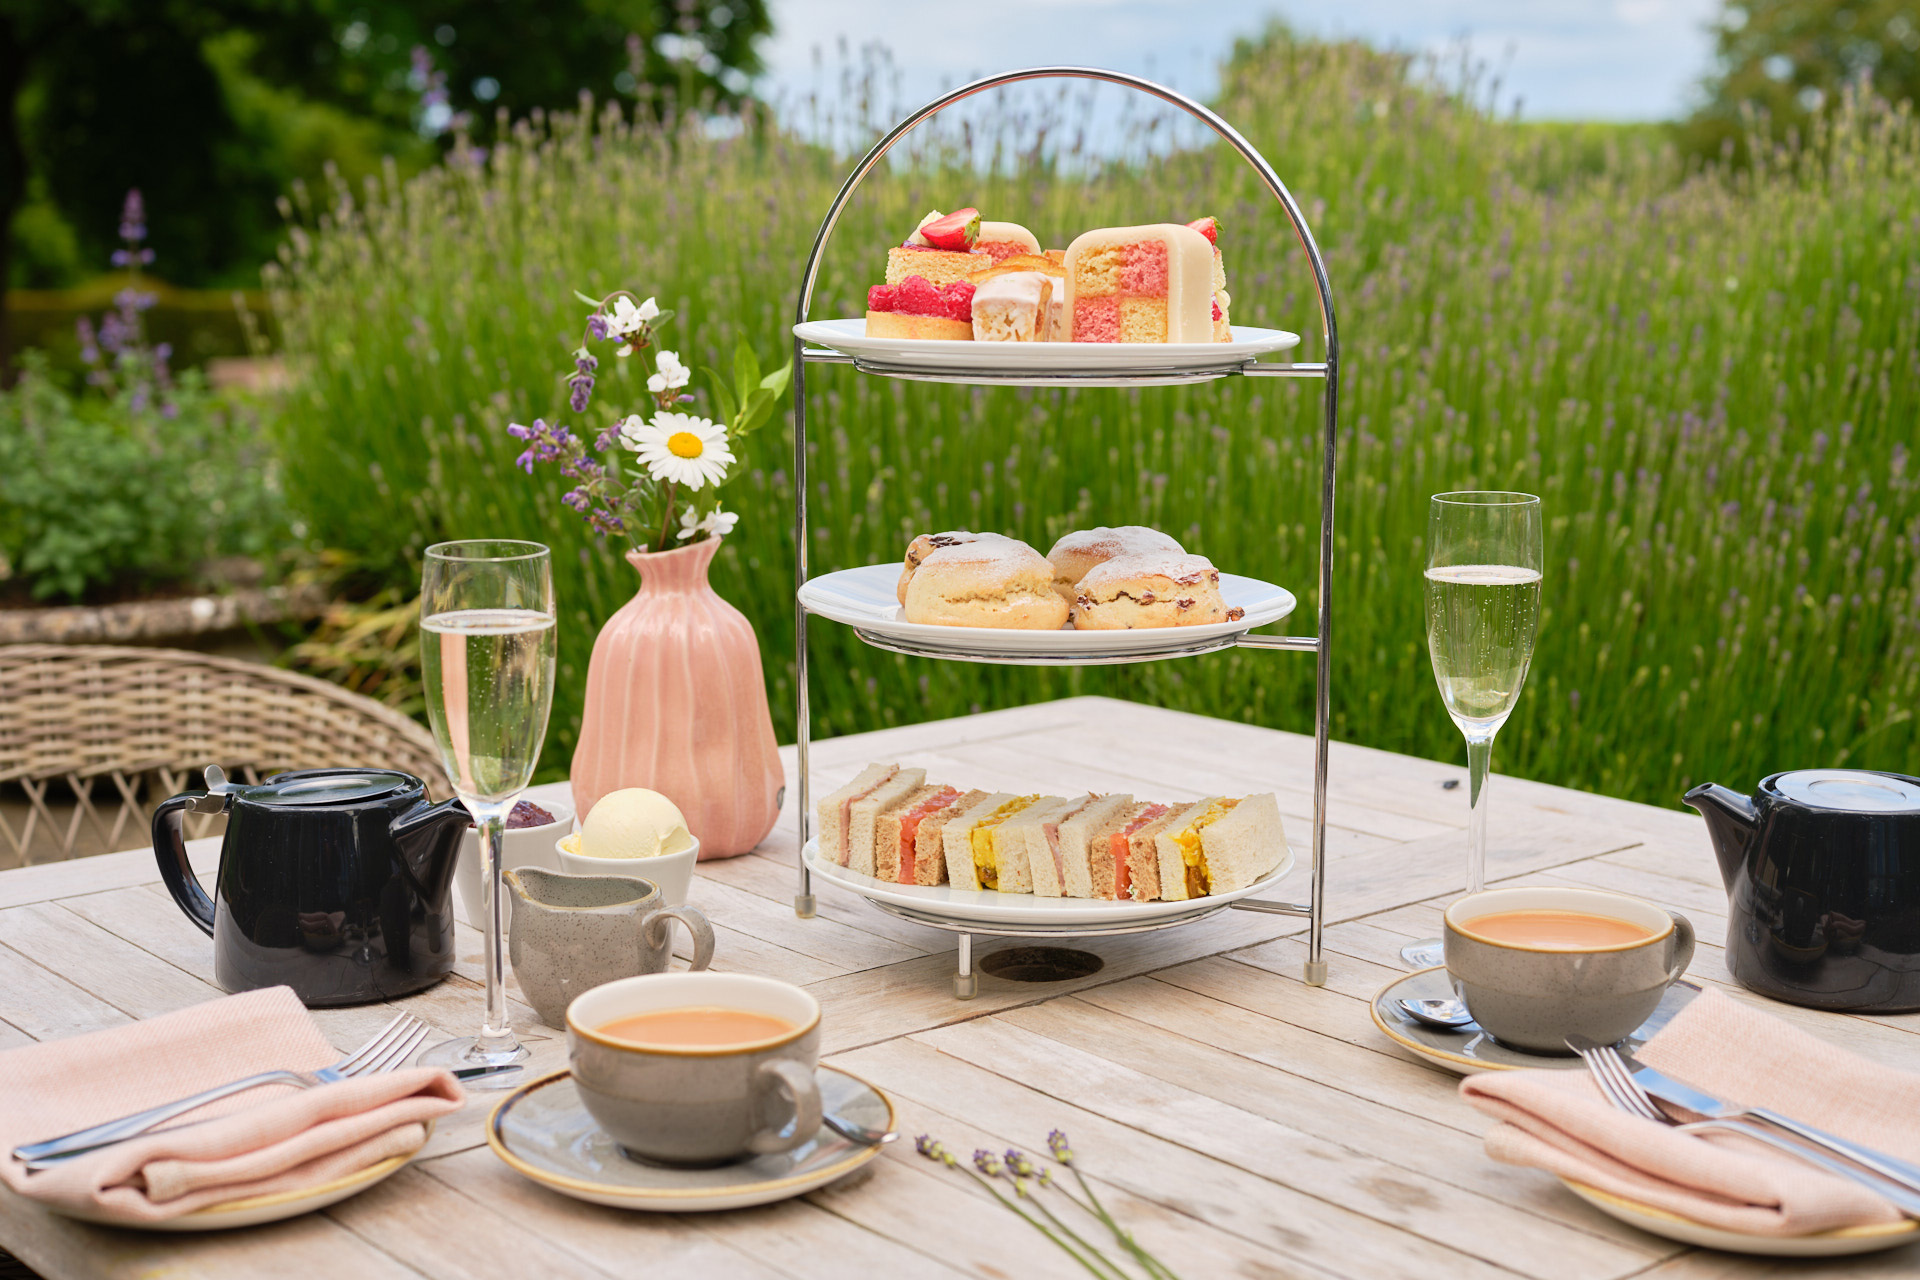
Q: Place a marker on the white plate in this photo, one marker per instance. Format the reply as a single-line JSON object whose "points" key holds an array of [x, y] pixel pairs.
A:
{"points": [[1041, 363], [543, 1131], [865, 599], [1826, 1244], [988, 907]]}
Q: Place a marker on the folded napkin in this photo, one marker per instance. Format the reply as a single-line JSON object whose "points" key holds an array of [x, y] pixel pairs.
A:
{"points": [[1559, 1121], [271, 1139]]}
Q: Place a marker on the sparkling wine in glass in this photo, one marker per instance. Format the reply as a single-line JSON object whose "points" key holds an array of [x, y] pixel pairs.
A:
{"points": [[486, 655], [1483, 611]]}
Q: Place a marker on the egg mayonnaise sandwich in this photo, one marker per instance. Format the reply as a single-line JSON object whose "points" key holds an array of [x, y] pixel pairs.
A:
{"points": [[1218, 845]]}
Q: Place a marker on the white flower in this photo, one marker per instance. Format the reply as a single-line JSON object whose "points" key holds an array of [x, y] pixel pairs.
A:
{"points": [[672, 375], [628, 319], [715, 524], [679, 448]]}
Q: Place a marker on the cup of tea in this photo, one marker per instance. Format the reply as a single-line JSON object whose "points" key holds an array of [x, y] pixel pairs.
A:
{"points": [[698, 1068], [1537, 965]]}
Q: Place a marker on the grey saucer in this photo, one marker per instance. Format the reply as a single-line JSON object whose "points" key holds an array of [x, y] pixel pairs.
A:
{"points": [[1469, 1049], [543, 1131]]}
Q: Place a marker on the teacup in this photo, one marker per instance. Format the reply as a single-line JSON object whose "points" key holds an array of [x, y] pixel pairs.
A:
{"points": [[1532, 996], [698, 1104], [571, 934]]}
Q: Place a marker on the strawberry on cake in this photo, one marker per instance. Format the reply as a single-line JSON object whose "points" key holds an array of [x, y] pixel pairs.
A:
{"points": [[1150, 283], [916, 308], [940, 250], [1222, 323]]}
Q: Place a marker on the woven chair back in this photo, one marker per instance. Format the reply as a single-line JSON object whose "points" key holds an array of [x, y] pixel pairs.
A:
{"points": [[123, 729]]}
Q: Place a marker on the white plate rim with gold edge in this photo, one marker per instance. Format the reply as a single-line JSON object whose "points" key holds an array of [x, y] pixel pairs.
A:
{"points": [[849, 337], [678, 1199], [1824, 1244], [988, 907], [866, 597]]}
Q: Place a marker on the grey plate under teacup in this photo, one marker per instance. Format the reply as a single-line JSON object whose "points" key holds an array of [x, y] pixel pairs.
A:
{"points": [[1469, 1049], [544, 1132]]}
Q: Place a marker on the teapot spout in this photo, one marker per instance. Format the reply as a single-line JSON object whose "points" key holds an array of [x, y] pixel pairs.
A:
{"points": [[428, 837], [1731, 820]]}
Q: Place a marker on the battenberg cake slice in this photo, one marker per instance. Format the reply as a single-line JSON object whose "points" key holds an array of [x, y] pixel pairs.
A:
{"points": [[1057, 844], [1220, 845], [862, 812], [929, 842], [1151, 283], [896, 830], [1222, 321]]}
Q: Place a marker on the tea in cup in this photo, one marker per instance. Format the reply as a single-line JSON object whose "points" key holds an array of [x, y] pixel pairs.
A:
{"points": [[1537, 965], [698, 1068]]}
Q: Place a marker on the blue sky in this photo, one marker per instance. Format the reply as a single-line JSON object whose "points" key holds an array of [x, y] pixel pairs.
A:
{"points": [[1564, 59]]}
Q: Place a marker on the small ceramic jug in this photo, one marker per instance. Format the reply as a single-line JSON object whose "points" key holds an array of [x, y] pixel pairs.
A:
{"points": [[572, 933]]}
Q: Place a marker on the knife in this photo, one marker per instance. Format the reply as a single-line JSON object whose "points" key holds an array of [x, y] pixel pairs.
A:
{"points": [[1668, 1089]]}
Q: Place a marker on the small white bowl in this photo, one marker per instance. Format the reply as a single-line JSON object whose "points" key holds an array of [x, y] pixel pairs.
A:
{"points": [[673, 872], [523, 847]]}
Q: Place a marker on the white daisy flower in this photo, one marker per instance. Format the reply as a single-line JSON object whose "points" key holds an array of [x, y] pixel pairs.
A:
{"points": [[715, 524], [690, 523], [628, 319], [672, 374], [679, 448]]}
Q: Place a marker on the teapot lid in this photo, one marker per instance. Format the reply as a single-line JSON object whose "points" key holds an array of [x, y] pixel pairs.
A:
{"points": [[1850, 790], [317, 788]]}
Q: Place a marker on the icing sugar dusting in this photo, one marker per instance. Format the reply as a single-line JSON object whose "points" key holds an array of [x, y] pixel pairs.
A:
{"points": [[1176, 567], [1123, 540]]}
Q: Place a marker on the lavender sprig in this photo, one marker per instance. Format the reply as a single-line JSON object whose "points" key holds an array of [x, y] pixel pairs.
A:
{"points": [[1062, 1150], [936, 1151]]}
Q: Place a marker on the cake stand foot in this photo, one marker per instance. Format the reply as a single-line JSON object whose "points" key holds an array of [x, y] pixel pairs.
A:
{"points": [[966, 983], [803, 906], [1316, 974]]}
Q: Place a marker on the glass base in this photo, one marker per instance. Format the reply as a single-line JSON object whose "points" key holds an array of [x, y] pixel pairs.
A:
{"points": [[472, 1051], [1424, 954]]}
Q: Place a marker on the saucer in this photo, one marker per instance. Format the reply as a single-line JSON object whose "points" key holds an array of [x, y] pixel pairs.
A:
{"points": [[1824, 1244], [1469, 1049], [542, 1130]]}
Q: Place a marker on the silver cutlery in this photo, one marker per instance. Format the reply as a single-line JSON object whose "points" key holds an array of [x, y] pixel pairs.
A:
{"points": [[395, 1044], [853, 1131], [1449, 1012], [1618, 1078]]}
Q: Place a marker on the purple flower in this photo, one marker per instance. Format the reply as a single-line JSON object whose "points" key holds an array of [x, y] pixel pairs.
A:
{"points": [[581, 385], [606, 439], [133, 218], [525, 462], [597, 327], [577, 499], [519, 432]]}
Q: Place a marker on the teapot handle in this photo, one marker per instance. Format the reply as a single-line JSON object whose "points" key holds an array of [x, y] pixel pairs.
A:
{"points": [[170, 850]]}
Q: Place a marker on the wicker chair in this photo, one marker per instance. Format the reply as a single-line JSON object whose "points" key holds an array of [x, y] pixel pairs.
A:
{"points": [[126, 728]]}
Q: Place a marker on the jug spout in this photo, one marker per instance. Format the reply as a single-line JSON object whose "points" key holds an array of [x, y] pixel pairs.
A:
{"points": [[428, 837], [1731, 820]]}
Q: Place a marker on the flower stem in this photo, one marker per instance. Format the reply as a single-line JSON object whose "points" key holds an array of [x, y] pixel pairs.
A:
{"points": [[1111, 1271], [1153, 1265], [667, 523]]}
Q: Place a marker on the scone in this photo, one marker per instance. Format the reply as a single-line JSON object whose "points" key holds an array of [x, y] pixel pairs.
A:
{"points": [[1075, 555], [918, 549], [1156, 590], [989, 582]]}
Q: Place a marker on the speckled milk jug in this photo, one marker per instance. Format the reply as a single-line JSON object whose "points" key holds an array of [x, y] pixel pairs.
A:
{"points": [[676, 702]]}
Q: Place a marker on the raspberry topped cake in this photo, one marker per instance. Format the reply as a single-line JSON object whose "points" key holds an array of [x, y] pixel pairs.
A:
{"points": [[1150, 283], [916, 308]]}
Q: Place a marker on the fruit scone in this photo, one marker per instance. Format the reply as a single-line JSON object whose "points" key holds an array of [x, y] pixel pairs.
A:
{"points": [[988, 581], [1150, 283], [1076, 553], [1152, 589]]}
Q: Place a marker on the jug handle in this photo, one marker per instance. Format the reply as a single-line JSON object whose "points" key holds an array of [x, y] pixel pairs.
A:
{"points": [[170, 850], [654, 930]]}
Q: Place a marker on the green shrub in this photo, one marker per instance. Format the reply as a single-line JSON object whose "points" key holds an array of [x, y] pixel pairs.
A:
{"points": [[1711, 379]]}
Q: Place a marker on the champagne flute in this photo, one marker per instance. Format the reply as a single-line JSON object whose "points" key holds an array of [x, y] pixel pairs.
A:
{"points": [[486, 656], [1483, 610]]}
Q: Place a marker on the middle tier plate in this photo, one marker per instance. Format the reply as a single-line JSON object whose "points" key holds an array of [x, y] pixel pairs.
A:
{"points": [[865, 600], [986, 908]]}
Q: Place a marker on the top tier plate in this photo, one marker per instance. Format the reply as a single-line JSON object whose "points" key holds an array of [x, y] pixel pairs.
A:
{"points": [[1045, 364]]}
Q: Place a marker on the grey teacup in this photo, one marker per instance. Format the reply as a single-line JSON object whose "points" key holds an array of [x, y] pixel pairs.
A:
{"points": [[571, 934], [698, 1104], [1533, 998]]}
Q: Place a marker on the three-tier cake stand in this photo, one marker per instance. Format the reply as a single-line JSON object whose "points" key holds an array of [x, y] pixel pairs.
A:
{"points": [[1144, 371]]}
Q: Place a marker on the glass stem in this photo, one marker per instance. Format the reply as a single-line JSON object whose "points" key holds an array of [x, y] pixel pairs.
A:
{"points": [[1479, 760], [496, 1033]]}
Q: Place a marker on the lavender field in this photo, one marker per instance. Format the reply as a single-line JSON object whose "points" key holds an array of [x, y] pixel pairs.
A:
{"points": [[1712, 378]]}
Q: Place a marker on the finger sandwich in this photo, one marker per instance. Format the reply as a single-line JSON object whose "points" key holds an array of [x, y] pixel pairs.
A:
{"points": [[1143, 856], [863, 812], [833, 817], [1107, 850], [1058, 842], [968, 841], [1013, 865], [896, 832], [929, 839], [1219, 845]]}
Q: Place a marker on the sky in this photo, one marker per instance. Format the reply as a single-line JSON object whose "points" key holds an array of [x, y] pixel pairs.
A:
{"points": [[1562, 59]]}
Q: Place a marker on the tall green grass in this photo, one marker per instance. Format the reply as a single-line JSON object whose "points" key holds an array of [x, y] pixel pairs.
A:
{"points": [[1711, 378]]}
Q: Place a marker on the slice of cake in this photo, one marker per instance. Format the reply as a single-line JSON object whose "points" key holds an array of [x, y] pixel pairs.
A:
{"points": [[940, 250], [1003, 240], [1140, 284], [1055, 329], [1057, 844], [1013, 307], [896, 832], [1108, 850], [915, 308], [929, 843], [1222, 322]]}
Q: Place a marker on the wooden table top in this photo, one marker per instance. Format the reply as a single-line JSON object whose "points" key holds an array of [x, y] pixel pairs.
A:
{"points": [[1239, 1121]]}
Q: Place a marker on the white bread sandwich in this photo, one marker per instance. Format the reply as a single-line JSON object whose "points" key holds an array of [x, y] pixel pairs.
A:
{"points": [[864, 811], [1108, 855], [1013, 870], [968, 840], [1057, 844], [896, 832], [1219, 845], [833, 814]]}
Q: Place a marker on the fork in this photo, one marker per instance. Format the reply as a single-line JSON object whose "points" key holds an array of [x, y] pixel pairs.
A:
{"points": [[1609, 1071], [395, 1044]]}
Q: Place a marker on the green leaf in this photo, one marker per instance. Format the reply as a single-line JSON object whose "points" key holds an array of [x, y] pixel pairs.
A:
{"points": [[724, 403], [780, 379], [746, 369], [592, 302]]}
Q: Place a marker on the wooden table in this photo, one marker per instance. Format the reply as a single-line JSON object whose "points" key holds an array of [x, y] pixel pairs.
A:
{"points": [[1243, 1123]]}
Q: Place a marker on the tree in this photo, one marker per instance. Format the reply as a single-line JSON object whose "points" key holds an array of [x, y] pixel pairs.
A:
{"points": [[1790, 59]]}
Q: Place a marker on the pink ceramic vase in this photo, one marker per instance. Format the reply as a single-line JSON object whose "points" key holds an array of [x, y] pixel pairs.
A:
{"points": [[676, 703]]}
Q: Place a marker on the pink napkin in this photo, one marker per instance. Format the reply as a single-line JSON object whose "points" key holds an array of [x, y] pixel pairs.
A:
{"points": [[271, 1139], [1559, 1121]]}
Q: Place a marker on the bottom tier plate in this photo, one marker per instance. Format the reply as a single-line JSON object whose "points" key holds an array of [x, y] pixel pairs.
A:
{"points": [[945, 906]]}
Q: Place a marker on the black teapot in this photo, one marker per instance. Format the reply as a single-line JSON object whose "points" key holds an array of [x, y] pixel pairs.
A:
{"points": [[334, 882], [1822, 868]]}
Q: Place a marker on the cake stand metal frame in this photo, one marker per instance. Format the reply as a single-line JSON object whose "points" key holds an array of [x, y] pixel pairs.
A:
{"points": [[1320, 644]]}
